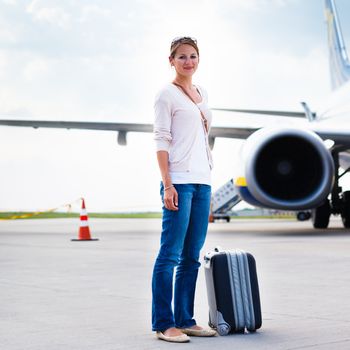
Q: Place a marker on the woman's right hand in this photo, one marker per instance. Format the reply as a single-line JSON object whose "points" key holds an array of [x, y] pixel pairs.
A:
{"points": [[171, 199]]}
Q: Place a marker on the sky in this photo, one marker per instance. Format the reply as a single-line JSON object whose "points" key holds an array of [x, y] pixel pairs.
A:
{"points": [[105, 61]]}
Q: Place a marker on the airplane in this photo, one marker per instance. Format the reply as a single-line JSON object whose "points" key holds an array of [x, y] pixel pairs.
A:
{"points": [[285, 168]]}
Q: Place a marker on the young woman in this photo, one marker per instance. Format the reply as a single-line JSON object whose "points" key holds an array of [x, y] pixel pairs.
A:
{"points": [[182, 123]]}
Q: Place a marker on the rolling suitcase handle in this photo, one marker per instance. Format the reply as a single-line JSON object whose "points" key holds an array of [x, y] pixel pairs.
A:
{"points": [[209, 255]]}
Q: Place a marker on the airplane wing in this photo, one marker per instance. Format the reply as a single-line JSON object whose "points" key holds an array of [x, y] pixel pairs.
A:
{"points": [[338, 137], [124, 128], [136, 127], [264, 112]]}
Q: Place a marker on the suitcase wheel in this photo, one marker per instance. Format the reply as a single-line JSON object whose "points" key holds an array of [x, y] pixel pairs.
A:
{"points": [[223, 328]]}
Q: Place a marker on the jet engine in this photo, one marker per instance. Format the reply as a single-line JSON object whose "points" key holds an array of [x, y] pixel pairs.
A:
{"points": [[286, 168]]}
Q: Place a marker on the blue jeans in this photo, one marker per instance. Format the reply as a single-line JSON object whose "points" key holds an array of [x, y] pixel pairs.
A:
{"points": [[183, 236]]}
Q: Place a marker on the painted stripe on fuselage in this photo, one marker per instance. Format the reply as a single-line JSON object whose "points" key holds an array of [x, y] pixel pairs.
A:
{"points": [[244, 193]]}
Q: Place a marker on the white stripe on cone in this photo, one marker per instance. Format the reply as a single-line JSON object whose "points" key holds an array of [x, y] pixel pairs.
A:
{"points": [[83, 223]]}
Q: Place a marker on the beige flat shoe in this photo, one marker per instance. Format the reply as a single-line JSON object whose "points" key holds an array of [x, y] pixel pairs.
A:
{"points": [[176, 339], [205, 332]]}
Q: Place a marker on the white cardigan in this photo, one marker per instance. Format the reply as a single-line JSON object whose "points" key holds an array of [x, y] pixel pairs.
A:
{"points": [[178, 129]]}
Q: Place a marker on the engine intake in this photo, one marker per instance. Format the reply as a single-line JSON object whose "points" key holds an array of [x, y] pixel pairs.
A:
{"points": [[288, 168]]}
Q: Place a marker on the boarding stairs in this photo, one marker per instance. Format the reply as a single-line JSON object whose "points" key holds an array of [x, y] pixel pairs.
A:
{"points": [[223, 200]]}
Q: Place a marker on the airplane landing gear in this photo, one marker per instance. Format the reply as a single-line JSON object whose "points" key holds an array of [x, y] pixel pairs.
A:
{"points": [[345, 213], [320, 215], [339, 202]]}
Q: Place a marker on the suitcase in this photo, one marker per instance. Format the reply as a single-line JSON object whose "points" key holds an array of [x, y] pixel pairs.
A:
{"points": [[233, 291]]}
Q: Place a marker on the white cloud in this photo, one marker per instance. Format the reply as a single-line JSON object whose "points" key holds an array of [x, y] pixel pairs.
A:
{"points": [[35, 69], [232, 6], [8, 35], [91, 11], [9, 2], [3, 63], [52, 14]]}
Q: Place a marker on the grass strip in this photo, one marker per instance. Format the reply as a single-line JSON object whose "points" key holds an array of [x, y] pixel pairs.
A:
{"points": [[141, 215]]}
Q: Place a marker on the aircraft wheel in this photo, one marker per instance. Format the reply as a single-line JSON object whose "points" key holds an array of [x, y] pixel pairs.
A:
{"points": [[320, 215], [228, 219], [303, 215], [345, 214]]}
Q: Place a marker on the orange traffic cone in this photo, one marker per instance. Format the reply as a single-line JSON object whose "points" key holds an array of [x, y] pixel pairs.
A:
{"points": [[84, 231]]}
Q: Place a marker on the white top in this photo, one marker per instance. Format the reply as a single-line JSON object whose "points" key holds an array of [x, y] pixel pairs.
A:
{"points": [[179, 130]]}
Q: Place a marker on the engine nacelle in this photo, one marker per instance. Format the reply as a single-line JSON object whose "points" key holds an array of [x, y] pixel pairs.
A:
{"points": [[286, 168]]}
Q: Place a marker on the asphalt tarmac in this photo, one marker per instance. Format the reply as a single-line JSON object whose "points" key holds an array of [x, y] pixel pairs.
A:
{"points": [[59, 294]]}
